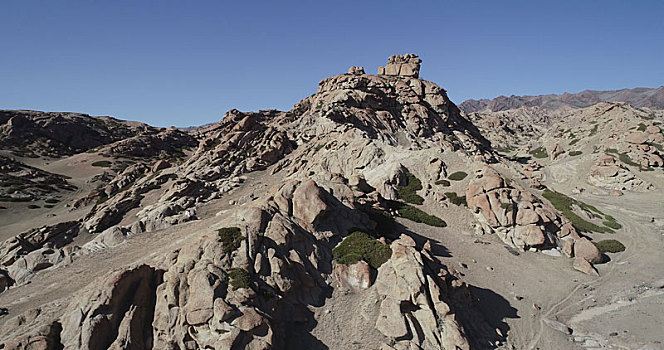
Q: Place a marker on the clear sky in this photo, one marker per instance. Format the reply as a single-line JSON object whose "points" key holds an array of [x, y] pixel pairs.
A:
{"points": [[187, 62]]}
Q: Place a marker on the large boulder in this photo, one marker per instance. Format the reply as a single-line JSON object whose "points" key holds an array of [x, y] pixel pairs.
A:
{"points": [[587, 250]]}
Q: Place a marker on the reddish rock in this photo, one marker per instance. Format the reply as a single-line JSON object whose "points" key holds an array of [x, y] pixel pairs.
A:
{"points": [[584, 266], [583, 248]]}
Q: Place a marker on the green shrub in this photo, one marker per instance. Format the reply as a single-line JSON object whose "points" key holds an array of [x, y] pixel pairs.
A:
{"points": [[408, 193], [593, 132], [239, 278], [611, 222], [360, 246], [414, 214], [611, 150], [575, 153], [627, 160], [507, 149], [657, 145], [539, 152], [102, 163], [33, 206], [571, 143], [49, 206], [457, 176], [642, 127], [610, 246], [507, 206], [231, 238], [92, 150], [51, 200], [564, 204], [443, 182], [456, 199]]}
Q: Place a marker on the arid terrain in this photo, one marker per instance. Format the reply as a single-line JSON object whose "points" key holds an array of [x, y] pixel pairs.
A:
{"points": [[375, 214]]}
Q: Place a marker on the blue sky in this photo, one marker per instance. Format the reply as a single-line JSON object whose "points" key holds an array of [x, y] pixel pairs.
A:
{"points": [[187, 62]]}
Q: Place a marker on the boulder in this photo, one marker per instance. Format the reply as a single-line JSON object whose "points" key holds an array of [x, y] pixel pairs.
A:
{"points": [[356, 277], [308, 202], [585, 249], [584, 266], [356, 70], [556, 151], [636, 137], [160, 165]]}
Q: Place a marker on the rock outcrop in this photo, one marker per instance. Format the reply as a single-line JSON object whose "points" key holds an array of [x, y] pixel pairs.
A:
{"points": [[413, 307], [20, 182], [407, 65], [520, 219], [31, 133]]}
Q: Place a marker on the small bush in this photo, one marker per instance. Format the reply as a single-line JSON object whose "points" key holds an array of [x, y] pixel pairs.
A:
{"points": [[507, 206], [610, 246], [408, 193], [506, 149], [611, 150], [102, 163], [456, 199], [443, 182], [33, 206], [49, 206], [627, 160], [231, 238], [414, 214], [573, 142], [575, 153], [642, 127], [239, 278], [539, 152], [564, 204], [457, 176], [611, 222], [51, 200], [360, 246]]}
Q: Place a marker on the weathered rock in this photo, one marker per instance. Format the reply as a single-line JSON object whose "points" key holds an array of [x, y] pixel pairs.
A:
{"points": [[584, 266], [308, 202], [407, 65], [412, 296], [637, 137], [356, 70], [556, 151], [585, 249], [528, 224], [114, 313], [356, 277], [160, 165]]}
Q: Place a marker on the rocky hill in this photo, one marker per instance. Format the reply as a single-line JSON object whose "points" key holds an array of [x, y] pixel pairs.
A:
{"points": [[638, 97], [374, 214], [54, 134]]}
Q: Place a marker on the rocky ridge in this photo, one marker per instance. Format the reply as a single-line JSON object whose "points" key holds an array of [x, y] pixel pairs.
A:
{"points": [[366, 153]]}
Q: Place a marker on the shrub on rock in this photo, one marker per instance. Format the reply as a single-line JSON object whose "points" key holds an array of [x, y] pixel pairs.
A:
{"points": [[231, 238], [360, 246]]}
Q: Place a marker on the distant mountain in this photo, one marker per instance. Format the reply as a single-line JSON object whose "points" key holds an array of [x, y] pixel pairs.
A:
{"points": [[638, 97]]}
